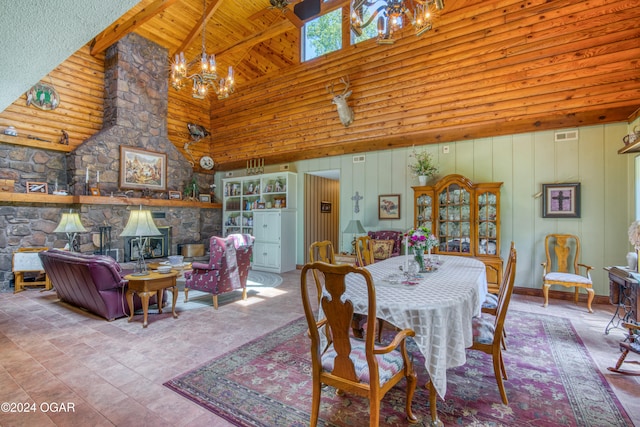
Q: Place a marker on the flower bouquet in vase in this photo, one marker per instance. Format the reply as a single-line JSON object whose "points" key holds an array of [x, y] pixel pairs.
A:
{"points": [[634, 239], [421, 240]]}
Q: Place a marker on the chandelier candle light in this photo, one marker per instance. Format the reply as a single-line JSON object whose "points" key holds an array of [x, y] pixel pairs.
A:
{"points": [[391, 16], [207, 77]]}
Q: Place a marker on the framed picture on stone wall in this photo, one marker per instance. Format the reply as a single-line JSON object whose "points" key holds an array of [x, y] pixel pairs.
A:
{"points": [[142, 169], [37, 187]]}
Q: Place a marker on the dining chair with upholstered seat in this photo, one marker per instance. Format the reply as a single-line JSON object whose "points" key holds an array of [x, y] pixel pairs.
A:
{"points": [[488, 331], [490, 304], [364, 251], [562, 267], [349, 364]]}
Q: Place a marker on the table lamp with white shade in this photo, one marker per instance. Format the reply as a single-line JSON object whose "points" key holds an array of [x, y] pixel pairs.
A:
{"points": [[71, 225], [354, 227], [140, 225]]}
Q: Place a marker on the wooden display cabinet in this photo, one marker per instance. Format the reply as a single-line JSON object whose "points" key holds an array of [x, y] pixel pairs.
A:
{"points": [[466, 218]]}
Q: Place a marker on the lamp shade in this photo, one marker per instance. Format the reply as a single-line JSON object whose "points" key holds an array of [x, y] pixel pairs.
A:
{"points": [[140, 224], [70, 223], [354, 227]]}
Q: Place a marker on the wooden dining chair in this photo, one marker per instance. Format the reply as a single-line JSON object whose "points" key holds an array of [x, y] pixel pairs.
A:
{"points": [[364, 251], [488, 331], [349, 364], [562, 267], [321, 252], [490, 304]]}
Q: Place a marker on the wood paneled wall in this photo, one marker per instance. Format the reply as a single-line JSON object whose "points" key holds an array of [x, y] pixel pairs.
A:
{"points": [[496, 68], [320, 226], [80, 83]]}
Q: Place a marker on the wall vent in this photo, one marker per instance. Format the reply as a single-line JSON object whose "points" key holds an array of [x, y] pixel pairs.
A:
{"points": [[284, 167], [570, 135], [358, 159], [228, 174]]}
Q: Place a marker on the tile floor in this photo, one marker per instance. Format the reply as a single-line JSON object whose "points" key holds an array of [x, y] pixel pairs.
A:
{"points": [[112, 372]]}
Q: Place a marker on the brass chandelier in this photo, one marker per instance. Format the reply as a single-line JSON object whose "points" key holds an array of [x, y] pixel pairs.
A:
{"points": [[392, 14], [207, 77]]}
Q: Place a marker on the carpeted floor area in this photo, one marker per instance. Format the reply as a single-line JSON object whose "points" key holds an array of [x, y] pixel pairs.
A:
{"points": [[266, 383]]}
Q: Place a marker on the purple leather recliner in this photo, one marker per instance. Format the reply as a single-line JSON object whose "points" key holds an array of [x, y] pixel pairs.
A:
{"points": [[92, 282]]}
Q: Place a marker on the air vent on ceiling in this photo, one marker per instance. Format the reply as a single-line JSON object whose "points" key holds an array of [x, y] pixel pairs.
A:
{"points": [[358, 159], [570, 135]]}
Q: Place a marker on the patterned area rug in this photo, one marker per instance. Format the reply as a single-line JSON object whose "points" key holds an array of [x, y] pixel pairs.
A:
{"points": [[552, 381]]}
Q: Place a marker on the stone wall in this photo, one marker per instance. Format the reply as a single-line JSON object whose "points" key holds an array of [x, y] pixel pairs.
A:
{"points": [[136, 86]]}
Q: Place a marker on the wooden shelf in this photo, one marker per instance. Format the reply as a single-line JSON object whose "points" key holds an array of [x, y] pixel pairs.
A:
{"points": [[28, 142], [99, 200], [631, 148]]}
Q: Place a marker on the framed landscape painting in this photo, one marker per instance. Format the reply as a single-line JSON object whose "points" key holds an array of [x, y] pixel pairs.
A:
{"points": [[142, 169], [561, 200]]}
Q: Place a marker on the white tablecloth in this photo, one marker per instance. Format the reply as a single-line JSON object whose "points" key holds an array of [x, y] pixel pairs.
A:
{"points": [[439, 308]]}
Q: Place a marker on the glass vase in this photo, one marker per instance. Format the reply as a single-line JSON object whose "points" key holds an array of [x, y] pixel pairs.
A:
{"points": [[420, 261]]}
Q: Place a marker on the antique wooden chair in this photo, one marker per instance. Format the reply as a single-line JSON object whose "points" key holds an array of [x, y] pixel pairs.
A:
{"points": [[487, 332], [562, 267], [490, 304], [321, 252], [349, 364], [364, 251], [631, 344]]}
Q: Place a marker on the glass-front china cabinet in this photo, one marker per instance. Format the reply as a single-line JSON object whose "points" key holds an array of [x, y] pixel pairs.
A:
{"points": [[466, 219]]}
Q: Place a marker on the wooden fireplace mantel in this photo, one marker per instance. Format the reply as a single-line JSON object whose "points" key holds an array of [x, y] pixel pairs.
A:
{"points": [[35, 198]]}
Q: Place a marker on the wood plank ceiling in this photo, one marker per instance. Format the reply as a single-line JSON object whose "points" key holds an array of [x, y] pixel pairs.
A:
{"points": [[488, 68]]}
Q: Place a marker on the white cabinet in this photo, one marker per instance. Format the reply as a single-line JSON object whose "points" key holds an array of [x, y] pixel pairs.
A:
{"points": [[243, 195], [274, 248], [263, 206]]}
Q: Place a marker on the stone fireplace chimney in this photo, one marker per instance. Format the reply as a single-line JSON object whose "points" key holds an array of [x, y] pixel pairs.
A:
{"points": [[135, 114]]}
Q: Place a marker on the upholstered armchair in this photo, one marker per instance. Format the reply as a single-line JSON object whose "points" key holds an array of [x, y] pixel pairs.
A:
{"points": [[227, 269]]}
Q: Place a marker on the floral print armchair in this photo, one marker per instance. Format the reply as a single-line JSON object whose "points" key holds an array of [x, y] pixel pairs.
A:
{"points": [[227, 270]]}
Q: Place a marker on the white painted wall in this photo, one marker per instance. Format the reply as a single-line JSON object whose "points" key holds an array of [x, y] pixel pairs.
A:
{"points": [[38, 35], [523, 162]]}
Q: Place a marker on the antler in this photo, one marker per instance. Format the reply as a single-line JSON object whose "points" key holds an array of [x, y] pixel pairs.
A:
{"points": [[344, 81], [346, 84]]}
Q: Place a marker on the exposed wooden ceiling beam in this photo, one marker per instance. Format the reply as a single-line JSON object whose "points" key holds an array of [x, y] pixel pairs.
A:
{"points": [[195, 31], [260, 36], [116, 31]]}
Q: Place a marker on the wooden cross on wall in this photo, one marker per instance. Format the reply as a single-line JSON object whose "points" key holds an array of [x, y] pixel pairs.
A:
{"points": [[357, 198]]}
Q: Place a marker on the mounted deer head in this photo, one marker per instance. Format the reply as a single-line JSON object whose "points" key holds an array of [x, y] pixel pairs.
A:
{"points": [[344, 111]]}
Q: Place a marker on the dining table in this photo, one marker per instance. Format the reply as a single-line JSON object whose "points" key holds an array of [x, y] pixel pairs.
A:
{"points": [[438, 306]]}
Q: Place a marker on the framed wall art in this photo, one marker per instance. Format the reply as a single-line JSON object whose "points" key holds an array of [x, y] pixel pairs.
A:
{"points": [[206, 198], [142, 169], [175, 195], [43, 96], [389, 206], [325, 207], [561, 200], [37, 187]]}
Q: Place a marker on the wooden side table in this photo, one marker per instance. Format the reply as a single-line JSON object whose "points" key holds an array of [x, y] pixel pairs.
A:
{"points": [[146, 286]]}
